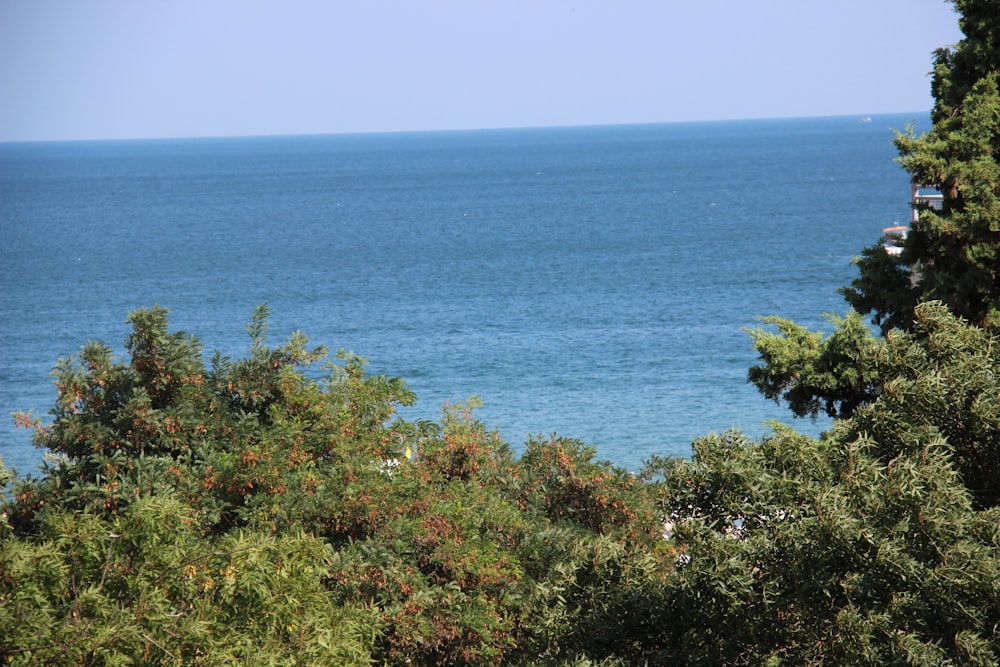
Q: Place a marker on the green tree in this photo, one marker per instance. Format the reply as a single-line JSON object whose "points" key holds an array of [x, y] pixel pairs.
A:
{"points": [[939, 379], [144, 587], [952, 254], [801, 551], [878, 543], [814, 373], [251, 512]]}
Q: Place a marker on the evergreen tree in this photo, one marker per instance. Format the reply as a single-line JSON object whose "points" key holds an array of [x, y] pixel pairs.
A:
{"points": [[247, 513], [951, 254]]}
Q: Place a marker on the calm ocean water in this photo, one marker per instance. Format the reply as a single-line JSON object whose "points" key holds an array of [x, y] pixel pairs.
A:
{"points": [[586, 281]]}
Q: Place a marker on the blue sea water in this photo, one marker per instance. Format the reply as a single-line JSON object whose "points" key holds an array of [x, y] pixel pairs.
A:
{"points": [[588, 281]]}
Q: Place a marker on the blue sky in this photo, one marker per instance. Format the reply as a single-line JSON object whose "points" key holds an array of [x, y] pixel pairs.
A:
{"points": [[72, 69]]}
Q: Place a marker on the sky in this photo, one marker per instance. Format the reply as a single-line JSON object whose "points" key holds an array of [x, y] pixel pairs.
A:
{"points": [[113, 69]]}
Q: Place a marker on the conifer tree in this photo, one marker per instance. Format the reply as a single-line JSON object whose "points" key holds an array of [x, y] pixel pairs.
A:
{"points": [[250, 513], [952, 254]]}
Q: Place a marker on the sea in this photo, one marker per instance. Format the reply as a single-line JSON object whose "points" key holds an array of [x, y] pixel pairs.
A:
{"points": [[593, 282]]}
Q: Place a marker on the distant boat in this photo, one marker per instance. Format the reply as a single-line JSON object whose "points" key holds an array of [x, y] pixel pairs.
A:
{"points": [[865, 119], [894, 237], [923, 196]]}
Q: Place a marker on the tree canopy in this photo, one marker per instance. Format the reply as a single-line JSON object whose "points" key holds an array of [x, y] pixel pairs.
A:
{"points": [[951, 254], [276, 510], [251, 511], [247, 511]]}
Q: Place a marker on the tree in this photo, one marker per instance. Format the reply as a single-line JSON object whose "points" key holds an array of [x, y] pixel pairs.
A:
{"points": [[952, 254], [950, 257], [802, 551], [249, 512], [144, 586], [939, 379], [812, 373]]}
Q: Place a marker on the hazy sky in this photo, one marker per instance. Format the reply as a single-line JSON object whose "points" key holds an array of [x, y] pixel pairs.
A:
{"points": [[84, 69]]}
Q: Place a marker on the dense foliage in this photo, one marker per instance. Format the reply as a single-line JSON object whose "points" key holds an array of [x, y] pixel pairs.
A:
{"points": [[276, 510], [940, 380], [249, 511], [907, 503], [255, 511], [951, 254]]}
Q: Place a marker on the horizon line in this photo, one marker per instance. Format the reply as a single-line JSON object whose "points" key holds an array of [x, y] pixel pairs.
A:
{"points": [[861, 118]]}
